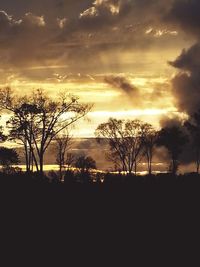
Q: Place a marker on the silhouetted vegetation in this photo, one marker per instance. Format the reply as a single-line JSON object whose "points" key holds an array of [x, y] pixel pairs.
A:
{"points": [[173, 139], [8, 158], [126, 140], [193, 126], [37, 120], [85, 164], [63, 144], [149, 142]]}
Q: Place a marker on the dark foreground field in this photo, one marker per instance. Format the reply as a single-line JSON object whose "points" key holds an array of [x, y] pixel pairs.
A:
{"points": [[152, 218]]}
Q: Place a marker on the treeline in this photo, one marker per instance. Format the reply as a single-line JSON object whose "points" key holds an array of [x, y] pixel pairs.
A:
{"points": [[133, 141], [36, 120]]}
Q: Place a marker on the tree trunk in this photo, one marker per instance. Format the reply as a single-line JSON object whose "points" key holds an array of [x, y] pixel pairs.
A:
{"points": [[135, 165], [30, 158], [149, 167], [27, 159], [198, 165], [60, 171], [197, 161], [174, 167], [150, 164], [36, 164], [41, 164], [32, 162]]}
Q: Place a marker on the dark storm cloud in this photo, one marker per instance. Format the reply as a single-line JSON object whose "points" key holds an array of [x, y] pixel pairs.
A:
{"points": [[186, 84], [185, 14], [189, 60], [186, 90]]}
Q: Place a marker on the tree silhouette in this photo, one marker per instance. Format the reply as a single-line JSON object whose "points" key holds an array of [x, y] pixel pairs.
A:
{"points": [[85, 164], [8, 157], [23, 129], [149, 139], [70, 159], [63, 144], [38, 119], [126, 142], [2, 136], [193, 126], [173, 139]]}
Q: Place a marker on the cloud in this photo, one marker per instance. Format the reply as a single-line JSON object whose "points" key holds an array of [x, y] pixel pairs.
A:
{"points": [[103, 15], [186, 84], [5, 19], [140, 96], [105, 9], [123, 84], [34, 20], [189, 60], [11, 26], [89, 13], [185, 14], [7, 24], [61, 32], [160, 32], [171, 120], [66, 31], [61, 22], [15, 30], [22, 40]]}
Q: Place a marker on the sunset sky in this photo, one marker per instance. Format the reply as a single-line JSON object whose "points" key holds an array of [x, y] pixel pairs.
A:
{"points": [[131, 58]]}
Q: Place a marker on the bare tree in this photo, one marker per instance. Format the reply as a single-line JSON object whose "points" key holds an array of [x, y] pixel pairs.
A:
{"points": [[70, 159], [150, 139], [21, 126], [40, 119], [126, 141], [134, 133], [113, 132], [113, 157], [63, 144]]}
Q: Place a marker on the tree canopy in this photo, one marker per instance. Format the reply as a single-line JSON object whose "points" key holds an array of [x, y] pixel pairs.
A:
{"points": [[173, 138], [37, 119]]}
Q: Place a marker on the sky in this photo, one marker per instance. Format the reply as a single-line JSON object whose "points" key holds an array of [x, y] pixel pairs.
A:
{"points": [[130, 58]]}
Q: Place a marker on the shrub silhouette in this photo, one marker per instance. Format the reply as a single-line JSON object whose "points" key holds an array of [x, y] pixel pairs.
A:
{"points": [[8, 158]]}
